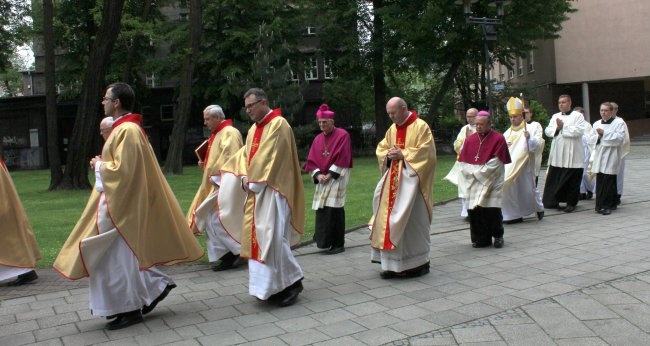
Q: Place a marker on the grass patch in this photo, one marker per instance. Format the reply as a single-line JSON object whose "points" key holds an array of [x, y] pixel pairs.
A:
{"points": [[53, 214]]}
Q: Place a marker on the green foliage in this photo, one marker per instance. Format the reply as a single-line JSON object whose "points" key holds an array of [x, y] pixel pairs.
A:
{"points": [[15, 29], [11, 78]]}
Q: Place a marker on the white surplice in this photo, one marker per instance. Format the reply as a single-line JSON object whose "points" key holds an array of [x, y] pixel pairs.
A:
{"points": [[413, 249], [116, 284], [280, 269], [218, 242]]}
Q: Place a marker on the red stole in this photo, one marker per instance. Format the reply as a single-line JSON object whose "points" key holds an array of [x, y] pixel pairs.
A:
{"points": [[2, 163], [395, 171], [221, 126], [250, 207], [130, 118], [259, 129]]}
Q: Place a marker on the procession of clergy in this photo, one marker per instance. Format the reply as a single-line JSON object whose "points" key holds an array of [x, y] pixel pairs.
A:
{"points": [[249, 203]]}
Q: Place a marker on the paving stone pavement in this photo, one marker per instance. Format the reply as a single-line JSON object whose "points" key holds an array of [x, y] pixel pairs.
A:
{"points": [[570, 279]]}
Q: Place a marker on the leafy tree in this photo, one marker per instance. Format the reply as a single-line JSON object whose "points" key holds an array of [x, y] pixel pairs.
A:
{"points": [[432, 38], [174, 161], [84, 131], [15, 29]]}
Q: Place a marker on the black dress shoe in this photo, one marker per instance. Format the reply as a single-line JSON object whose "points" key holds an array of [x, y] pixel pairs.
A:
{"points": [[227, 261], [540, 215], [334, 250], [569, 209], [514, 221], [24, 278], [409, 273], [590, 195], [498, 243], [606, 211], [583, 196], [124, 320], [480, 245], [292, 294], [148, 308]]}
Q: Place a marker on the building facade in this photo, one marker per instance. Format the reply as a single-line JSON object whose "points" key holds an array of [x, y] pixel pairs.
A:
{"points": [[600, 56]]}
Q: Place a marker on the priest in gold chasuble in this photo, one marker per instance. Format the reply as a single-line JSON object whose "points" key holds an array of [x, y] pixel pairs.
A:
{"points": [[261, 202], [19, 249], [403, 201], [224, 142], [131, 224]]}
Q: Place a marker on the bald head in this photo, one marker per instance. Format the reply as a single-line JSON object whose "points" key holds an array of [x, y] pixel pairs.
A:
{"points": [[397, 110], [470, 116], [105, 127]]}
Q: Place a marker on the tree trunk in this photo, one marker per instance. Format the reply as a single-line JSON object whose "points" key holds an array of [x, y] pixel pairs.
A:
{"points": [[86, 122], [381, 120], [174, 160], [444, 88], [128, 66], [53, 154]]}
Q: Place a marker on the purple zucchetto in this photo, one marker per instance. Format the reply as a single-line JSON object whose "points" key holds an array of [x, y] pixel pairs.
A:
{"points": [[483, 114]]}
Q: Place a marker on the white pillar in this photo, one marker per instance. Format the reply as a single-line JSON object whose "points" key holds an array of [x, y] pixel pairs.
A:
{"points": [[585, 101]]}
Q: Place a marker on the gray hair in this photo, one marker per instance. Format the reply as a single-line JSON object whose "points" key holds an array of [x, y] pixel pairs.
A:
{"points": [[259, 94], [215, 111]]}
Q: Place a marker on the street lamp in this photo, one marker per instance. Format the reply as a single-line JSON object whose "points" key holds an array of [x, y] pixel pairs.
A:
{"points": [[489, 28]]}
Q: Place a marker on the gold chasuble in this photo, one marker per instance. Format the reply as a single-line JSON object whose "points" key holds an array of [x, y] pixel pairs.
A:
{"points": [[141, 205], [415, 140], [223, 144], [269, 157], [519, 153], [19, 248]]}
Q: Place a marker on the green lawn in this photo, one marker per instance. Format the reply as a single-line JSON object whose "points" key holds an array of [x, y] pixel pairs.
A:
{"points": [[54, 214]]}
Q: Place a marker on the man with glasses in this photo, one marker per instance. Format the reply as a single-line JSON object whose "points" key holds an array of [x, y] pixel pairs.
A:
{"points": [[224, 142], [266, 202], [520, 194], [466, 131], [132, 223]]}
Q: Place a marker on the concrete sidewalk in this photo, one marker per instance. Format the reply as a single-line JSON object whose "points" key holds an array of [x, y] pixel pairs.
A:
{"points": [[570, 279]]}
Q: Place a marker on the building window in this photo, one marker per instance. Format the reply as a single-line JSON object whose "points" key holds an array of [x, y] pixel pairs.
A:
{"points": [[327, 69], [511, 73], [183, 16], [311, 69], [311, 31], [151, 80], [531, 62], [520, 66], [167, 112], [502, 76]]}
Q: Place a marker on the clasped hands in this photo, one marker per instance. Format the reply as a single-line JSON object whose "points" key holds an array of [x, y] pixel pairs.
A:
{"points": [[395, 153]]}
